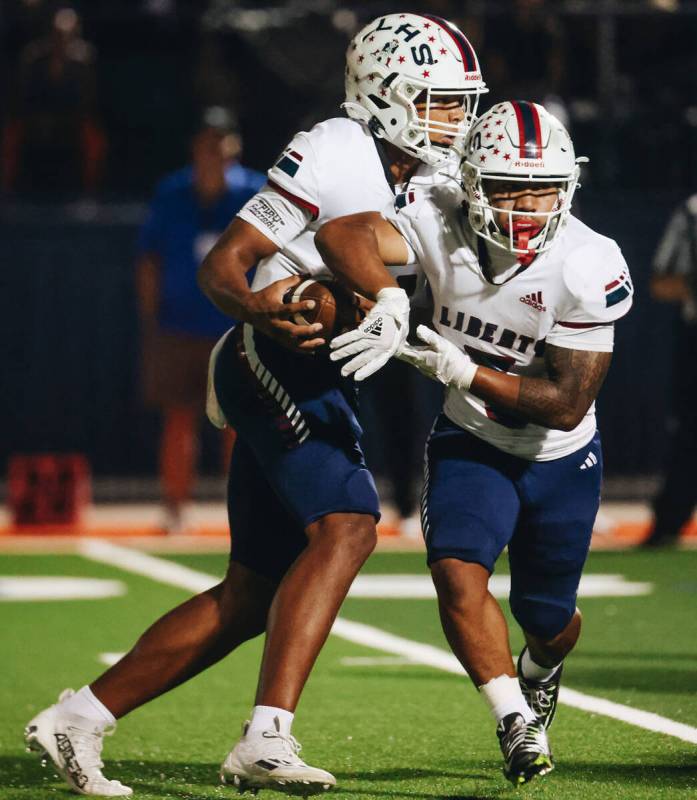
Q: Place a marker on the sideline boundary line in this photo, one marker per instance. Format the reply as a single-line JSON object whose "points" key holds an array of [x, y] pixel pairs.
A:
{"points": [[168, 572]]}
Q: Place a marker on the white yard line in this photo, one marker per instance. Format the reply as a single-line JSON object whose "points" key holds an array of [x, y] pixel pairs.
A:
{"points": [[42, 588], [634, 716], [434, 657], [110, 658], [157, 569], [421, 586], [168, 572], [377, 661]]}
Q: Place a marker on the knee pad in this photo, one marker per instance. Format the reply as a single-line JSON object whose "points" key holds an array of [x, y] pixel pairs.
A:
{"points": [[544, 617]]}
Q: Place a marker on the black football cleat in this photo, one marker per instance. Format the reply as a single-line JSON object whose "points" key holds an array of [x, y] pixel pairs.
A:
{"points": [[541, 696], [525, 749]]}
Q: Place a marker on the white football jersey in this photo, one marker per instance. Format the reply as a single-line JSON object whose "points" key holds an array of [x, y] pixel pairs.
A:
{"points": [[333, 170], [503, 316]]}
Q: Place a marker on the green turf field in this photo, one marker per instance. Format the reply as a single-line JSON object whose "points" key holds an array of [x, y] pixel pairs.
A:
{"points": [[387, 731]]}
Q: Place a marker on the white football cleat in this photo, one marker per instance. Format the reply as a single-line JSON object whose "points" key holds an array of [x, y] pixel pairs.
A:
{"points": [[74, 744], [269, 760]]}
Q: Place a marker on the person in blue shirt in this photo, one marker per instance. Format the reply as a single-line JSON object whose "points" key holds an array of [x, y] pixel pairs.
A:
{"points": [[191, 208]]}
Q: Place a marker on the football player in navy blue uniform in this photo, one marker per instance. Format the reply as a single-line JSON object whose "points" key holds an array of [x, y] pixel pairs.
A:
{"points": [[302, 504], [525, 298]]}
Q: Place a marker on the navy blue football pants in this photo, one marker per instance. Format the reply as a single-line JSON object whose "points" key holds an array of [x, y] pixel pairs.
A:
{"points": [[297, 456], [477, 500]]}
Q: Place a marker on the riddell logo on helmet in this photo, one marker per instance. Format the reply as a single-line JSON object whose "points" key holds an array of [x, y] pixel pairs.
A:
{"points": [[535, 163]]}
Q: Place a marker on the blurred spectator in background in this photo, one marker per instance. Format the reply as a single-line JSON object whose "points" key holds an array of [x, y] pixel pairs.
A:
{"points": [[52, 141], [190, 210], [675, 281]]}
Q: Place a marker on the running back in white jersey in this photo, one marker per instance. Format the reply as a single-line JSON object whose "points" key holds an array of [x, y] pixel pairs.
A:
{"points": [[331, 171], [568, 297]]}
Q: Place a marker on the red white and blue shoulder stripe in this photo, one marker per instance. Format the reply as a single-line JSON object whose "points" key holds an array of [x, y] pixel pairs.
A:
{"points": [[618, 289], [404, 199], [289, 162]]}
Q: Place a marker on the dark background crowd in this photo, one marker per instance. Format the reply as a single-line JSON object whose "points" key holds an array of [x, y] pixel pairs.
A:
{"points": [[134, 72], [102, 98]]}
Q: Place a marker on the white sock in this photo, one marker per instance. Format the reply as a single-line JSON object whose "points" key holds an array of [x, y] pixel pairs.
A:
{"points": [[534, 671], [85, 704], [504, 697], [264, 717]]}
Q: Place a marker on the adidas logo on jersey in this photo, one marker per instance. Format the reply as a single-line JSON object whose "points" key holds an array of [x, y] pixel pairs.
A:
{"points": [[534, 300], [591, 461], [375, 327]]}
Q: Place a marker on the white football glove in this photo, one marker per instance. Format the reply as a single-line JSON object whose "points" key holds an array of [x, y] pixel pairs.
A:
{"points": [[377, 338], [440, 360]]}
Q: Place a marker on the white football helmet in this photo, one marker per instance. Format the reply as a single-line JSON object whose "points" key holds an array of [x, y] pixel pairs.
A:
{"points": [[400, 59], [519, 141]]}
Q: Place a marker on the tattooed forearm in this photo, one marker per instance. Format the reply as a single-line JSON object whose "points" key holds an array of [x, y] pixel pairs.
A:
{"points": [[560, 400]]}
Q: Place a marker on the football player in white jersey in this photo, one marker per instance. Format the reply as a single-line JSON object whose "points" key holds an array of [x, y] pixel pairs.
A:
{"points": [[302, 505], [525, 297]]}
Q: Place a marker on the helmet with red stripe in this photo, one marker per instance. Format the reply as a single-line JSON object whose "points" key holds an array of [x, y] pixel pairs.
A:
{"points": [[519, 142], [402, 59]]}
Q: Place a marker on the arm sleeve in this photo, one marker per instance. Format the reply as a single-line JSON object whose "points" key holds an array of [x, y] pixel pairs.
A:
{"points": [[600, 292], [277, 217]]}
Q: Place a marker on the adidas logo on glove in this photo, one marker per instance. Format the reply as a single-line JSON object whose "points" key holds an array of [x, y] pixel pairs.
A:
{"points": [[375, 327]]}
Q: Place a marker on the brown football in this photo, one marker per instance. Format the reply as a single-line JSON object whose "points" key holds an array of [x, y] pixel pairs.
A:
{"points": [[337, 308]]}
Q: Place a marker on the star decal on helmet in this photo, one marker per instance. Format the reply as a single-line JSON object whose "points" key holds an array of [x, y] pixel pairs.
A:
{"points": [[525, 126], [383, 50]]}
